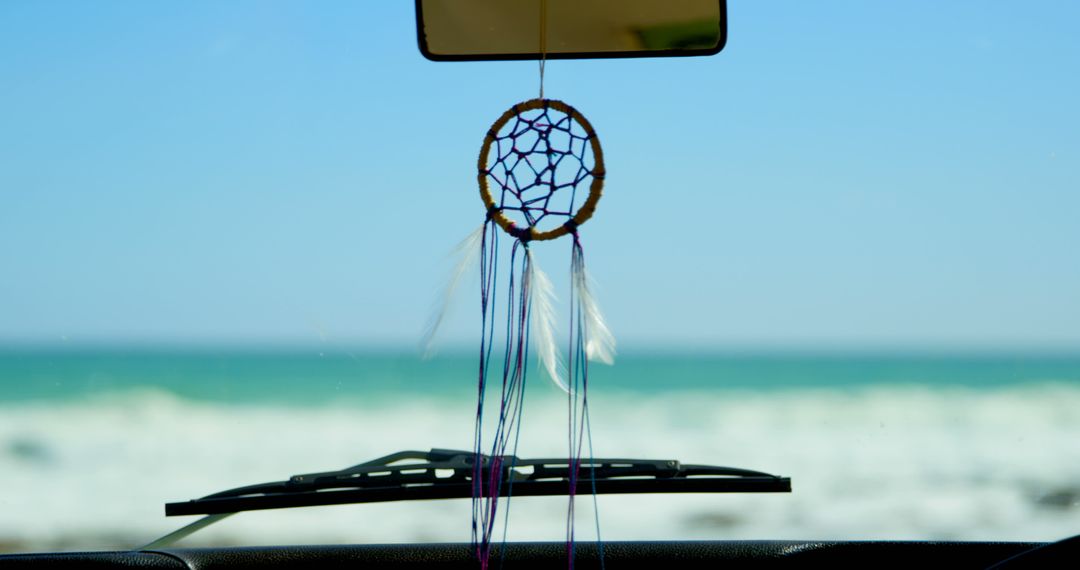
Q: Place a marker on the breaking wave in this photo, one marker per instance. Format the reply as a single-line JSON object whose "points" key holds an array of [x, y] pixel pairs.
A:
{"points": [[885, 462]]}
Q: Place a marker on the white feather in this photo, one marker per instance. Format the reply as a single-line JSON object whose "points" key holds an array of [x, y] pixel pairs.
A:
{"points": [[599, 342], [467, 252], [542, 323]]}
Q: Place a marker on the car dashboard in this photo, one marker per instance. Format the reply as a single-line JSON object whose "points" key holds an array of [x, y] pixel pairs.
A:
{"points": [[700, 554]]}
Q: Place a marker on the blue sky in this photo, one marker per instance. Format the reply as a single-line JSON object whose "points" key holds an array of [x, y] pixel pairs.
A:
{"points": [[845, 174]]}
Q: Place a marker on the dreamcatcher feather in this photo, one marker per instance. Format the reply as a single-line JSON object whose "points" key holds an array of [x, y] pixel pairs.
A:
{"points": [[541, 173]]}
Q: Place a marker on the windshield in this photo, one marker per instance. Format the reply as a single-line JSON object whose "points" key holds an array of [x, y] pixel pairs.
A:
{"points": [[842, 250]]}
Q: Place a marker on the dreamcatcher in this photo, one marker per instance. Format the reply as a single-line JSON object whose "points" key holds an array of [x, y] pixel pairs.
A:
{"points": [[541, 173]]}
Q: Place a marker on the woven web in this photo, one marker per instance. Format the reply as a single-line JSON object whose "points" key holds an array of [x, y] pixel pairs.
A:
{"points": [[542, 163]]}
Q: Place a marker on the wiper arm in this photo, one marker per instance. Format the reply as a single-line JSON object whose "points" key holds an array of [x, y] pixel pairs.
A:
{"points": [[447, 474]]}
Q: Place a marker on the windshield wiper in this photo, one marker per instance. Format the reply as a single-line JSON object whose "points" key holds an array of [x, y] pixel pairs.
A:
{"points": [[447, 474]]}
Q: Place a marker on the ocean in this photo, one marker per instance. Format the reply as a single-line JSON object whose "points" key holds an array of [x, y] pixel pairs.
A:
{"points": [[980, 446]]}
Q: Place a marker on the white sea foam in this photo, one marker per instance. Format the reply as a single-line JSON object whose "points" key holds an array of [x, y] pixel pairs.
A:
{"points": [[885, 462]]}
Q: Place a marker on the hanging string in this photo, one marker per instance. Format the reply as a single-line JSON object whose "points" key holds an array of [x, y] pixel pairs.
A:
{"points": [[579, 433], [543, 43], [489, 473], [572, 403]]}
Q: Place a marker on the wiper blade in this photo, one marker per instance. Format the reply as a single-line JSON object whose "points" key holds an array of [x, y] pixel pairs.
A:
{"points": [[448, 474]]}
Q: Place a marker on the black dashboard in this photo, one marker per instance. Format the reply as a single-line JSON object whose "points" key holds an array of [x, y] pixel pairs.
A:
{"points": [[712, 554]]}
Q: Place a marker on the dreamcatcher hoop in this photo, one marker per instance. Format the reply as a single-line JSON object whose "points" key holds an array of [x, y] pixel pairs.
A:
{"points": [[588, 207]]}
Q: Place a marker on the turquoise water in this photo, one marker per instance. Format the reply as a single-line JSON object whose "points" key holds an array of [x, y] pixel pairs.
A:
{"points": [[310, 377]]}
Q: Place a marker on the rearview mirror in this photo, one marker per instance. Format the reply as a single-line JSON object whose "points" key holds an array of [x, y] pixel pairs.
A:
{"points": [[472, 30]]}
